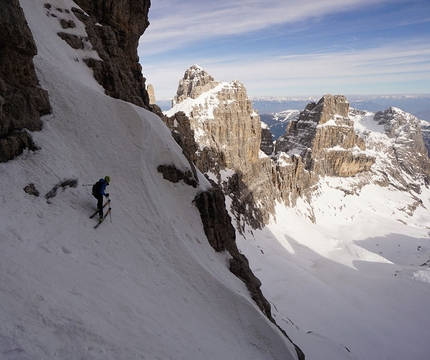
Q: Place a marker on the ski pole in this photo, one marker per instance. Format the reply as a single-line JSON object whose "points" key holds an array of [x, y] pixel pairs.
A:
{"points": [[87, 184]]}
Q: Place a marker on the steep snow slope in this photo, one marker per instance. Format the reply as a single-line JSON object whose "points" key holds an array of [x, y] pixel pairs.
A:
{"points": [[145, 284]]}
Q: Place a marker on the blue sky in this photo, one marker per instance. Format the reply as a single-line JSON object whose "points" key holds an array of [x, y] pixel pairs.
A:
{"points": [[291, 47]]}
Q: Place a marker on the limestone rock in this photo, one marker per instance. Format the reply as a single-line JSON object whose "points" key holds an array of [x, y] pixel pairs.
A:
{"points": [[324, 137], [406, 151], [221, 117], [151, 94], [266, 144], [227, 132], [114, 29], [195, 82], [425, 130], [22, 101]]}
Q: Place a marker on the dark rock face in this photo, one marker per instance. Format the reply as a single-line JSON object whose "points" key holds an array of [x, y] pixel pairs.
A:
{"points": [[116, 41], [174, 175], [22, 102], [31, 190], [266, 145], [222, 237]]}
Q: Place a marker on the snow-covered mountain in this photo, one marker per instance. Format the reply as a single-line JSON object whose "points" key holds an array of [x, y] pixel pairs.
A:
{"points": [[351, 250], [346, 270], [418, 105]]}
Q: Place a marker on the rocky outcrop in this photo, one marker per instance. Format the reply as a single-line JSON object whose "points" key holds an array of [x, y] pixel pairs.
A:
{"points": [[266, 144], [222, 117], [113, 29], [227, 133], [195, 82], [406, 164], [425, 130], [174, 175], [151, 94], [324, 137], [22, 101]]}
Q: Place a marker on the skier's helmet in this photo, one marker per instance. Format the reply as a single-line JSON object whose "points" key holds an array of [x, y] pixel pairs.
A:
{"points": [[107, 178]]}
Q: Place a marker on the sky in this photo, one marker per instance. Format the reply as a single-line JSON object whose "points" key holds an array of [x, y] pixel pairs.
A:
{"points": [[287, 48]]}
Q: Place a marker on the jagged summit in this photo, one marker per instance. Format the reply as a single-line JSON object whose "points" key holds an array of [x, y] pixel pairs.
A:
{"points": [[222, 118], [327, 108], [398, 146], [324, 137], [195, 82]]}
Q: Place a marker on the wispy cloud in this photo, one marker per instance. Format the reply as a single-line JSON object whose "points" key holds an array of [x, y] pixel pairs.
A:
{"points": [[339, 72], [291, 47], [174, 23]]}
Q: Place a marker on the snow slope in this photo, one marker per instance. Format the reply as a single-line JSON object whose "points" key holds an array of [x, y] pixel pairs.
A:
{"points": [[355, 284], [145, 284]]}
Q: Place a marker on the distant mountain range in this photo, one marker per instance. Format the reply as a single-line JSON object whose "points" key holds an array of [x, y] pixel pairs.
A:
{"points": [[418, 105], [278, 121]]}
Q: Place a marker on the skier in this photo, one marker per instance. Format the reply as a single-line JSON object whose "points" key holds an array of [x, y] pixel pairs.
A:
{"points": [[99, 191]]}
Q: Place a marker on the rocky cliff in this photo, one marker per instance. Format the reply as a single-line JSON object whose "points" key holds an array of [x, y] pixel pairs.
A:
{"points": [[325, 140], [112, 32], [324, 137], [227, 132], [22, 101], [220, 114], [229, 135], [402, 159], [114, 29]]}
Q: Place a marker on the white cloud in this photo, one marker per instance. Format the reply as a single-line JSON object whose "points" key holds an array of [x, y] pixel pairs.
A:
{"points": [[317, 73], [174, 24]]}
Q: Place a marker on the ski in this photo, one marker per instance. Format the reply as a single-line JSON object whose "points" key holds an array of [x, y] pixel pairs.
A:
{"points": [[107, 202], [103, 219]]}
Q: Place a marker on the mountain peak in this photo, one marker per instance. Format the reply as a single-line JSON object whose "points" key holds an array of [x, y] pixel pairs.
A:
{"points": [[193, 84], [327, 107]]}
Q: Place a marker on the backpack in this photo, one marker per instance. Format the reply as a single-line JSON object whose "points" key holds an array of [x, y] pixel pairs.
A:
{"points": [[96, 188]]}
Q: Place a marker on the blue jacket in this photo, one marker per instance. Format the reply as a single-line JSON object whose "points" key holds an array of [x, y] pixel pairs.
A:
{"points": [[103, 184]]}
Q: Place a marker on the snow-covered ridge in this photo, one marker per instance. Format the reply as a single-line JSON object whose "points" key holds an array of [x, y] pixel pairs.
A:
{"points": [[205, 103]]}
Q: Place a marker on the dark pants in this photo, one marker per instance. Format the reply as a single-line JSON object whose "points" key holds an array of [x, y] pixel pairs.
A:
{"points": [[99, 198]]}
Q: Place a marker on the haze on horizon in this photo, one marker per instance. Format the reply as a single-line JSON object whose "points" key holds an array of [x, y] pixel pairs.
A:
{"points": [[291, 48]]}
